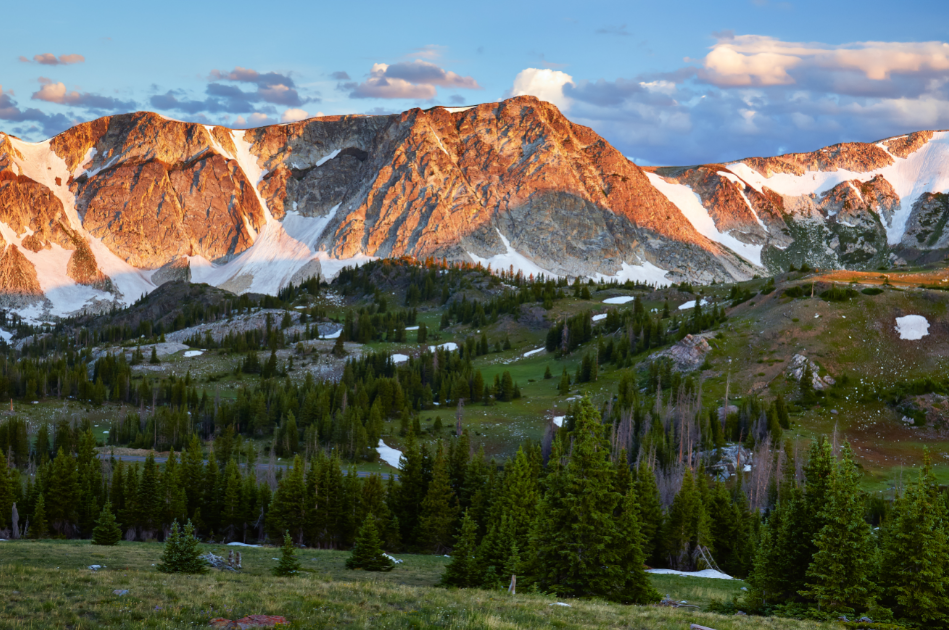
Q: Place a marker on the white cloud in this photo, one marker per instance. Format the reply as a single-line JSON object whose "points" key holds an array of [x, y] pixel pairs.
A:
{"points": [[546, 84], [254, 120], [747, 60], [293, 115]]}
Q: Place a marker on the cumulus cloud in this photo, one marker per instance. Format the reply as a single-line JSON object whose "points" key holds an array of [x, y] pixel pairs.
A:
{"points": [[48, 124], [409, 79], [755, 60], [272, 87], [294, 115], [340, 75], [49, 59], [223, 96], [423, 72], [256, 119], [754, 95], [53, 92], [546, 84]]}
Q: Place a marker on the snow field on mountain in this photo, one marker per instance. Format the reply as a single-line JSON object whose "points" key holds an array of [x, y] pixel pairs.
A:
{"points": [[690, 204], [925, 170], [640, 272], [512, 258]]}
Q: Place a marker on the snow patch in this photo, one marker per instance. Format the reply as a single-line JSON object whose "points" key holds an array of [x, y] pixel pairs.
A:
{"points": [[193, 353], [531, 353], [599, 317], [558, 420], [691, 304], [240, 544], [412, 328], [706, 573], [690, 204], [912, 327], [399, 358], [323, 160], [621, 299], [388, 454], [248, 163]]}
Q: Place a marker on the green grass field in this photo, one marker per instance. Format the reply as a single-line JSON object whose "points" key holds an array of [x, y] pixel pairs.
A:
{"points": [[48, 585]]}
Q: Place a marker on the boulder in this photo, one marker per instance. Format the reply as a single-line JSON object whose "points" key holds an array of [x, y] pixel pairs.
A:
{"points": [[688, 354], [796, 368]]}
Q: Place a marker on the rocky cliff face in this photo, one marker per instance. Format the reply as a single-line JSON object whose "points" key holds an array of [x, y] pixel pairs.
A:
{"points": [[109, 209]]}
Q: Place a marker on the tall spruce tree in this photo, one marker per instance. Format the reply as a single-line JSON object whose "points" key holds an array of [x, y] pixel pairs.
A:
{"points": [[839, 576], [650, 512], [439, 508], [636, 589], [915, 575], [574, 545], [38, 524]]}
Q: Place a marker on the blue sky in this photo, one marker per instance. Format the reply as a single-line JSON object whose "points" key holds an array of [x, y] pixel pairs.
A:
{"points": [[667, 83]]}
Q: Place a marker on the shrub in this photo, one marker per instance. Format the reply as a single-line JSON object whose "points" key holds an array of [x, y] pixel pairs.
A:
{"points": [[181, 552], [107, 532], [288, 565]]}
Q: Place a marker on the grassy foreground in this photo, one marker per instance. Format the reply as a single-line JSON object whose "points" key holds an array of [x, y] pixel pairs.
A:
{"points": [[48, 585]]}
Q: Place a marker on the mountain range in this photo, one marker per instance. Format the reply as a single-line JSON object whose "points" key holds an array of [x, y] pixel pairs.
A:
{"points": [[110, 209]]}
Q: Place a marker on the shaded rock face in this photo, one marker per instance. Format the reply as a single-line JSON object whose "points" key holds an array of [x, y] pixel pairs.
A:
{"points": [[926, 227]]}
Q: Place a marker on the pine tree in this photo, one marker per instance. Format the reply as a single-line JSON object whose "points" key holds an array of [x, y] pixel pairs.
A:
{"points": [[564, 387], [38, 527], [367, 552], [650, 511], [62, 491], [574, 543], [154, 358], [636, 589], [107, 532], [439, 508], [839, 575], [181, 553], [288, 565], [915, 575], [462, 570], [6, 492], [807, 384]]}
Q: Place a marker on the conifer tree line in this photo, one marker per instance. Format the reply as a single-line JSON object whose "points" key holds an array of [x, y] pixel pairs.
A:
{"points": [[576, 516]]}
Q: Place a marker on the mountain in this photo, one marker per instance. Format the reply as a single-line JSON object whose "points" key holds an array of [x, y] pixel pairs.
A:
{"points": [[110, 209]]}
